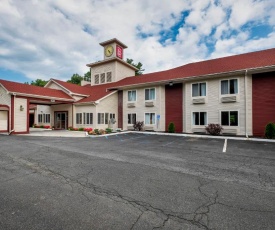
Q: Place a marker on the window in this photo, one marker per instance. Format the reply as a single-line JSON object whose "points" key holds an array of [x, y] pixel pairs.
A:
{"points": [[229, 86], [112, 116], [102, 78], [78, 118], [150, 94], [132, 95], [46, 118], [106, 118], [88, 118], [150, 118], [97, 79], [198, 89], [100, 118], [132, 118], [199, 118], [39, 118], [109, 76], [229, 118]]}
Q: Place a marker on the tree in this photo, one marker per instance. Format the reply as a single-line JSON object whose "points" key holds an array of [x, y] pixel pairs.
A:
{"points": [[37, 82], [87, 76], [138, 66], [76, 79]]}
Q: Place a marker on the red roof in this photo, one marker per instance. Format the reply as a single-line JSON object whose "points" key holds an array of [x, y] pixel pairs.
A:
{"points": [[97, 92], [215, 66], [77, 89], [16, 87]]}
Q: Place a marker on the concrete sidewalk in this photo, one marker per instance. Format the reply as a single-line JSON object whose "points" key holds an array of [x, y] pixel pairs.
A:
{"points": [[54, 133]]}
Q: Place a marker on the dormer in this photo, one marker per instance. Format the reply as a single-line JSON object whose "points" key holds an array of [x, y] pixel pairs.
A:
{"points": [[112, 68]]}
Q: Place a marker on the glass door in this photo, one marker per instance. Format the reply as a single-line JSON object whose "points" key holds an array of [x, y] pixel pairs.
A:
{"points": [[61, 120]]}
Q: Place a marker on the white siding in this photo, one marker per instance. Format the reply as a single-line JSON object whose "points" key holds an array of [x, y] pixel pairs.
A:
{"points": [[3, 120], [123, 71], [214, 106], [107, 105], [20, 117], [104, 68], [140, 109]]}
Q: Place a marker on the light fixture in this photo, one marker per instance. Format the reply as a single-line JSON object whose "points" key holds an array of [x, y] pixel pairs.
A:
{"points": [[21, 108], [170, 83]]}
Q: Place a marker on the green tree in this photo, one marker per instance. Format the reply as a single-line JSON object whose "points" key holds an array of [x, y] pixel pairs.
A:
{"points": [[37, 82], [76, 79], [87, 76], [138, 66]]}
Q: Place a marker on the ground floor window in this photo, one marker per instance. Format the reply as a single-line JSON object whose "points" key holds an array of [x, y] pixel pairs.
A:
{"points": [[229, 118], [100, 118], [199, 118], [40, 117], [132, 118], [106, 118], [150, 118], [88, 118], [78, 118], [47, 118]]}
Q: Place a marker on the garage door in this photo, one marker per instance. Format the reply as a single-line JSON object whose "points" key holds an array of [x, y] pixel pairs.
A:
{"points": [[3, 121]]}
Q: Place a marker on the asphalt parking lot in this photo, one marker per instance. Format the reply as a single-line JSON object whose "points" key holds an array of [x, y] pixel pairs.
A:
{"points": [[136, 181]]}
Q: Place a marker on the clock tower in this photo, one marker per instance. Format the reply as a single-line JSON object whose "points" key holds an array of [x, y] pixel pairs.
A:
{"points": [[113, 48], [112, 68]]}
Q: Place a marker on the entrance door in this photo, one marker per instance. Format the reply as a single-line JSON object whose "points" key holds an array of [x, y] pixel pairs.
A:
{"points": [[61, 120]]}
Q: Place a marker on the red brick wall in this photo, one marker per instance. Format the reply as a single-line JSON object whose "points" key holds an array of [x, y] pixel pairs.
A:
{"points": [[263, 101], [120, 109], [173, 106]]}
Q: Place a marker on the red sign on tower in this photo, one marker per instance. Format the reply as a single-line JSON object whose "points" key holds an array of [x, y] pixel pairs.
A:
{"points": [[119, 52]]}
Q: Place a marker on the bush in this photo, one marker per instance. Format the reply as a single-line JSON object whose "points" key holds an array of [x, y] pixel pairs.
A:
{"points": [[138, 125], [96, 131], [171, 127], [214, 129], [270, 130], [70, 128], [80, 129], [108, 130]]}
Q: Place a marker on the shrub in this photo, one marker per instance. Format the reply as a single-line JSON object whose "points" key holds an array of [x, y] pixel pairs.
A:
{"points": [[214, 129], [101, 132], [171, 127], [138, 125], [108, 130], [80, 129], [96, 131], [270, 130], [70, 128], [41, 126], [75, 129]]}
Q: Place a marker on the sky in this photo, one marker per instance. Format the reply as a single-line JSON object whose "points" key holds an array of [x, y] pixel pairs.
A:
{"points": [[43, 39]]}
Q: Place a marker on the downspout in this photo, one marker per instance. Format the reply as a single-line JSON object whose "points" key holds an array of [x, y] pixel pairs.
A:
{"points": [[245, 104]]}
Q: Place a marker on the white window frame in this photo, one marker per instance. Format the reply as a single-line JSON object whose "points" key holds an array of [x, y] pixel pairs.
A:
{"points": [[238, 86], [47, 118], [101, 121], [78, 118], [235, 110], [128, 95], [145, 118], [155, 96], [131, 118], [40, 118], [192, 118], [88, 121], [204, 82]]}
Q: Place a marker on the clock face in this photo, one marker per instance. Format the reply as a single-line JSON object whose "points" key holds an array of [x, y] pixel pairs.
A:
{"points": [[109, 50]]}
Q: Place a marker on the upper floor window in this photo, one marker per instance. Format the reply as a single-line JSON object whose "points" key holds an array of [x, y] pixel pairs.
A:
{"points": [[109, 77], [229, 118], [198, 89], [132, 95], [229, 86], [102, 78], [150, 94], [97, 79]]}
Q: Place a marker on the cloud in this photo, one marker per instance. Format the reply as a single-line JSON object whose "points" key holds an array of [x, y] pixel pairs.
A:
{"points": [[57, 38]]}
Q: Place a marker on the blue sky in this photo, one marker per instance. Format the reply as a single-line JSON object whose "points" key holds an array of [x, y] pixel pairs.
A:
{"points": [[57, 38]]}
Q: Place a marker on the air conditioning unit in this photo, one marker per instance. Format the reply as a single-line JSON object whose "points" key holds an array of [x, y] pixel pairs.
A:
{"points": [[229, 99], [149, 104], [199, 101], [131, 105]]}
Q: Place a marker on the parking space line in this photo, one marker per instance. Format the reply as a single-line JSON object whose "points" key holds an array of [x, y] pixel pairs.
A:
{"points": [[224, 146]]}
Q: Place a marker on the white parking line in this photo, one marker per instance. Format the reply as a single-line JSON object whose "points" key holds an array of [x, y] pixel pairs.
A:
{"points": [[224, 146]]}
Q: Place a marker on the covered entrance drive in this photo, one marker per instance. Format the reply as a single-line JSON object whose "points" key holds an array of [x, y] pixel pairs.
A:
{"points": [[61, 120]]}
